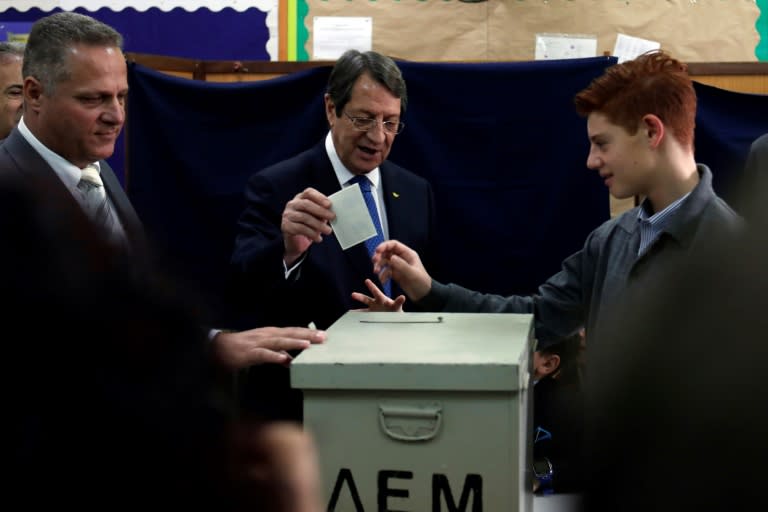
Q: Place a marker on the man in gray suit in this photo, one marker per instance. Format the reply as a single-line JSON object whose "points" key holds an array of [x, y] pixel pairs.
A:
{"points": [[75, 87]]}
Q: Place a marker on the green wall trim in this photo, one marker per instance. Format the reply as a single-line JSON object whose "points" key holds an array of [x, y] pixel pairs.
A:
{"points": [[761, 50], [302, 34]]}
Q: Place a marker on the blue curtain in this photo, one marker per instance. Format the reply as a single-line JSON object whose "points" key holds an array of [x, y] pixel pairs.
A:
{"points": [[190, 148], [726, 124], [500, 143], [506, 153], [201, 34]]}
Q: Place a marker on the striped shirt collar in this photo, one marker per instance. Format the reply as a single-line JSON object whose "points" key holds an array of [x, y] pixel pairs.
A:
{"points": [[651, 226]]}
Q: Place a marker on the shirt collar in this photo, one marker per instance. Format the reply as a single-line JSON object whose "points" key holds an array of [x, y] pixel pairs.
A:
{"points": [[68, 172], [342, 173], [658, 218]]}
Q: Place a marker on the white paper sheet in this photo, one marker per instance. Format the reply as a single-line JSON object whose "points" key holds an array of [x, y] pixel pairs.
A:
{"points": [[353, 223], [565, 46], [333, 35], [629, 47]]}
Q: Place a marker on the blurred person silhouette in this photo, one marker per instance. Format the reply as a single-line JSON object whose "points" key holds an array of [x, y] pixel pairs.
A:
{"points": [[757, 159], [676, 393], [558, 418], [11, 100], [287, 263], [753, 186], [109, 399], [640, 123], [75, 87]]}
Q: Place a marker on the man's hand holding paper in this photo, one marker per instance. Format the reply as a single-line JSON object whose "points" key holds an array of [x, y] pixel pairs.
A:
{"points": [[305, 220]]}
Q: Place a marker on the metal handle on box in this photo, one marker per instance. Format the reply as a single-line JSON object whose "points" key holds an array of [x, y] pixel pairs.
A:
{"points": [[411, 423]]}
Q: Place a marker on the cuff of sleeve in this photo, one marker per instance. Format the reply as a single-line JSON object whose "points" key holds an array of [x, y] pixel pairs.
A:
{"points": [[435, 299], [295, 270]]}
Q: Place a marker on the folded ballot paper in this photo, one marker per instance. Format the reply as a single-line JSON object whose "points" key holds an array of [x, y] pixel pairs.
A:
{"points": [[353, 223]]}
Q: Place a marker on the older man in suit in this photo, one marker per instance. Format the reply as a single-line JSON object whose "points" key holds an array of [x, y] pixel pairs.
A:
{"points": [[75, 87], [290, 268]]}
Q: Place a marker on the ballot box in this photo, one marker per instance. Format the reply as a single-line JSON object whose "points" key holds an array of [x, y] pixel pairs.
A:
{"points": [[421, 411]]}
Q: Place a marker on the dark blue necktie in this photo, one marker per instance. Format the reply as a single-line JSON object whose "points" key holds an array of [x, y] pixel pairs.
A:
{"points": [[374, 241]]}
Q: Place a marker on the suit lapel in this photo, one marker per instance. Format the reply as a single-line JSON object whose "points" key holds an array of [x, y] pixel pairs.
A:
{"points": [[323, 177], [118, 197], [29, 163], [26, 160], [398, 215]]}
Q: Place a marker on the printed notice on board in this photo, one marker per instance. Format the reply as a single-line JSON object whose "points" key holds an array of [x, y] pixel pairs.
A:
{"points": [[333, 35], [565, 46]]}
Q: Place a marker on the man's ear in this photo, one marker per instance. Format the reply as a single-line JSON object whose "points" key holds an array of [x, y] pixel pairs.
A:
{"points": [[549, 364], [33, 92], [330, 109], [654, 129]]}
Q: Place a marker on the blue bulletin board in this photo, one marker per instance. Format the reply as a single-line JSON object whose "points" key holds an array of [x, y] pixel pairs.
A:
{"points": [[201, 34], [226, 34], [14, 30]]}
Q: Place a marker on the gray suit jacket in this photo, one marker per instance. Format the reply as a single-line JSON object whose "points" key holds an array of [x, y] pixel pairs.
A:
{"points": [[594, 279], [18, 156]]}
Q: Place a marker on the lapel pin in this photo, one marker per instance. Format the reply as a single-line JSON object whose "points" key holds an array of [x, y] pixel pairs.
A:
{"points": [[395, 195]]}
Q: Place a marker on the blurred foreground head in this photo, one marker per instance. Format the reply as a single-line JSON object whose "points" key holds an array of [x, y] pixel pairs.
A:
{"points": [[105, 387], [108, 397]]}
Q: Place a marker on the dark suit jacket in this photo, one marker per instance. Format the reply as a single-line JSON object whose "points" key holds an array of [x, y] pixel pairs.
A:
{"points": [[328, 275], [558, 408], [18, 156], [321, 291]]}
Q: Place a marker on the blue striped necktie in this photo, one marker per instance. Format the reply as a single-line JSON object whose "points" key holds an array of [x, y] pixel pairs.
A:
{"points": [[374, 241]]}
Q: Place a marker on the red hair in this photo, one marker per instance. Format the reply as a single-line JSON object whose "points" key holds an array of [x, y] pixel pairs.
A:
{"points": [[653, 83]]}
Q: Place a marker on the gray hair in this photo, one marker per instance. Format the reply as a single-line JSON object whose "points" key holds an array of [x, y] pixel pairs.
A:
{"points": [[354, 63], [8, 49], [51, 38]]}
